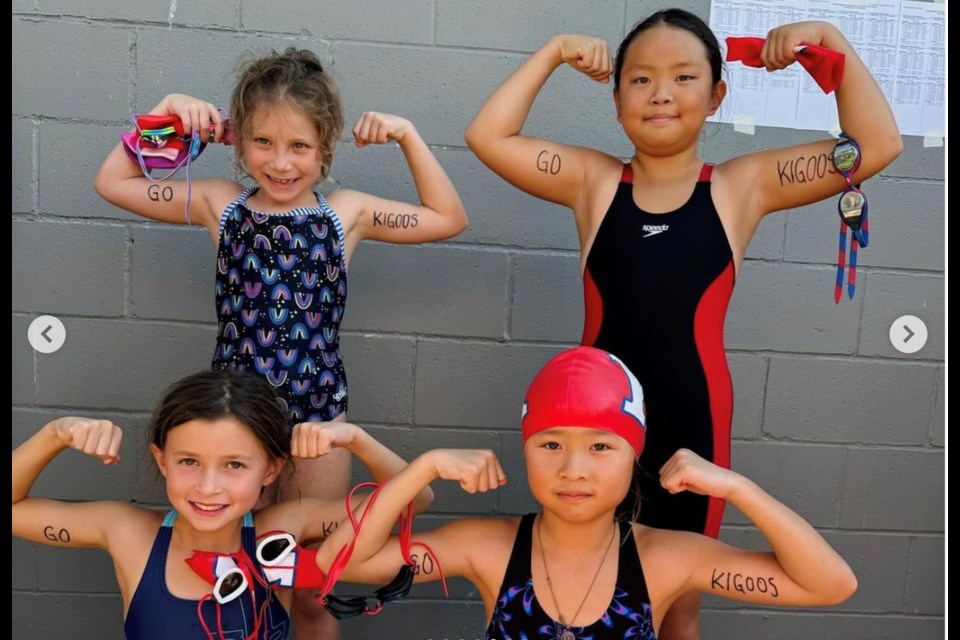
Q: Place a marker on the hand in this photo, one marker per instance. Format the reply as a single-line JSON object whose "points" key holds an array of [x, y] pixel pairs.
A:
{"points": [[378, 128], [194, 114], [686, 471], [316, 439], [778, 49], [588, 55], [98, 438], [477, 470]]}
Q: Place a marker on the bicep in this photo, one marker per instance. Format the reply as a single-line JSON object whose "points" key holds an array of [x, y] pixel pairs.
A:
{"points": [[747, 576], [548, 170], [793, 176], [400, 222], [162, 200], [444, 551], [65, 524]]}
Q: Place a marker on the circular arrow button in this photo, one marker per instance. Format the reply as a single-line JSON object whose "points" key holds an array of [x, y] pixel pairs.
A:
{"points": [[908, 334]]}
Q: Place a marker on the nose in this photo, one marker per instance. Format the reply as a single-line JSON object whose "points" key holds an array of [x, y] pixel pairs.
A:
{"points": [[209, 481], [281, 160], [662, 93], [574, 465]]}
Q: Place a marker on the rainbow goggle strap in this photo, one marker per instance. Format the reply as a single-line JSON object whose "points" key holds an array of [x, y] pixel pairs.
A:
{"points": [[158, 142]]}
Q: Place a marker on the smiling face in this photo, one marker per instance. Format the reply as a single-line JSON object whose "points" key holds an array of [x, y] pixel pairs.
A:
{"points": [[666, 90], [214, 471], [578, 473], [283, 154]]}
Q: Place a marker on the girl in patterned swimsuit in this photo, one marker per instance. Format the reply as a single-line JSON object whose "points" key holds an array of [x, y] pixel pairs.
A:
{"points": [[583, 568], [283, 250]]}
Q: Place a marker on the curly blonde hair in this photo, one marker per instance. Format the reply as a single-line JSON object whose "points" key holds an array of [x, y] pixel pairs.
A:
{"points": [[295, 77]]}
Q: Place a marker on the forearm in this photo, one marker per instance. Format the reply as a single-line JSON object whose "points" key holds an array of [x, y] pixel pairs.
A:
{"points": [[506, 110], [31, 458], [118, 166], [390, 502], [864, 111], [434, 187], [384, 464]]}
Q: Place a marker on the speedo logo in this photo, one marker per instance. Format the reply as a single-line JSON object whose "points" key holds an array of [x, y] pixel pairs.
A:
{"points": [[654, 229]]}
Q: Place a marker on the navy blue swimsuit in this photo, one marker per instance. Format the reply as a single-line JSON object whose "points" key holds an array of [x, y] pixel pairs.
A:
{"points": [[518, 615], [157, 614], [656, 288], [280, 293]]}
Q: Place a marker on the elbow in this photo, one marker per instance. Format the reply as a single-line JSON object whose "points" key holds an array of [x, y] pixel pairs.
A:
{"points": [[455, 222], [99, 185], [104, 185], [462, 222], [474, 136], [844, 586], [424, 500], [893, 146], [471, 137]]}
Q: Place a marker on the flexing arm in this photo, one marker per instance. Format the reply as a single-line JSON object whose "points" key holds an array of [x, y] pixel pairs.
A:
{"points": [[315, 439], [120, 180], [440, 214], [476, 471], [62, 523], [803, 569], [799, 175], [542, 168]]}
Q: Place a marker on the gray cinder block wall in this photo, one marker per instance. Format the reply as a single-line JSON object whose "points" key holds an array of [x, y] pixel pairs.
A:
{"points": [[441, 340]]}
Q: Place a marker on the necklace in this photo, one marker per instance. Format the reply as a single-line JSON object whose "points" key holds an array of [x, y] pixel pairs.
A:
{"points": [[563, 630]]}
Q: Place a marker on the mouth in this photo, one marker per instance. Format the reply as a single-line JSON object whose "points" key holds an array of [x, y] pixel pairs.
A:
{"points": [[573, 496], [282, 182], [208, 509], [660, 119]]}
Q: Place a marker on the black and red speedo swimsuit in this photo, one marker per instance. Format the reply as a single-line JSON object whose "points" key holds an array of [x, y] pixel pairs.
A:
{"points": [[656, 288]]}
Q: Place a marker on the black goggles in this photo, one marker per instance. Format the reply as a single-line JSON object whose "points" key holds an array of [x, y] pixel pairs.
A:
{"points": [[348, 607]]}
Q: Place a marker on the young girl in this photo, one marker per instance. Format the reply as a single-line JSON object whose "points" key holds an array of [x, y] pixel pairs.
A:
{"points": [[577, 570], [283, 250], [218, 438], [663, 236]]}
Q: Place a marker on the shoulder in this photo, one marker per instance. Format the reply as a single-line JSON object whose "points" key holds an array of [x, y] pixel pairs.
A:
{"points": [[730, 176], [131, 526], [219, 193], [602, 176], [347, 203]]}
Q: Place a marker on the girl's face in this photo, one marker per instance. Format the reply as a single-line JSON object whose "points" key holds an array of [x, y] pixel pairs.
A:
{"points": [[214, 471], [666, 90], [578, 473], [283, 155]]}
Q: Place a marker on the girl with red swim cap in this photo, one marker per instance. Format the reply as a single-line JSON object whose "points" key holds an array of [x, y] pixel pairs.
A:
{"points": [[578, 569], [663, 236]]}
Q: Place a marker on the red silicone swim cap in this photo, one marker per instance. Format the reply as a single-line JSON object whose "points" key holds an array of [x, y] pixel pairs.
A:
{"points": [[586, 387]]}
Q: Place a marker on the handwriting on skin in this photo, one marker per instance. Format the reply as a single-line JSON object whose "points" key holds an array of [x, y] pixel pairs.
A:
{"points": [[155, 192], [729, 581], [803, 169], [548, 163], [395, 220], [51, 534], [425, 564], [328, 528]]}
